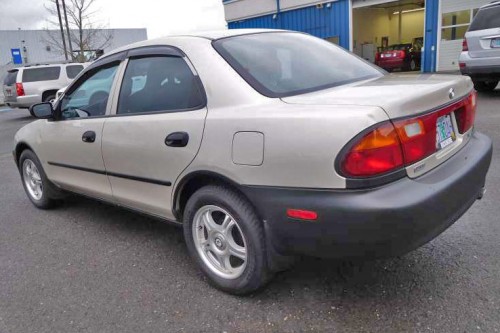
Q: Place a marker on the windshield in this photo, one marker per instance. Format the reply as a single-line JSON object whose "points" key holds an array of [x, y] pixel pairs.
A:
{"points": [[285, 64]]}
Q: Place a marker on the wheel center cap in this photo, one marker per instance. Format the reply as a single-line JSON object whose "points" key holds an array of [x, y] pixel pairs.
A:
{"points": [[219, 242]]}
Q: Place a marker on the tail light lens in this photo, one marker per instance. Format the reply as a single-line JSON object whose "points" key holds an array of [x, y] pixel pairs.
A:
{"points": [[377, 56], [19, 89], [465, 46], [466, 114], [393, 145], [402, 54], [377, 152]]}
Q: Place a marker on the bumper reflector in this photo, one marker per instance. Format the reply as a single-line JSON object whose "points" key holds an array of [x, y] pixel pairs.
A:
{"points": [[302, 214]]}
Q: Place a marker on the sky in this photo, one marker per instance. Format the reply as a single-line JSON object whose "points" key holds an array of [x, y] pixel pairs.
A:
{"points": [[160, 17]]}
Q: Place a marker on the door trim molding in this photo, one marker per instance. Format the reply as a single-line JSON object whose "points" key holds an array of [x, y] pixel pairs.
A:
{"points": [[112, 174]]}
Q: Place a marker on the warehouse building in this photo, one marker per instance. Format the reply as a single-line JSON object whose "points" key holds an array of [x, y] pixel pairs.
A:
{"points": [[365, 27], [22, 47]]}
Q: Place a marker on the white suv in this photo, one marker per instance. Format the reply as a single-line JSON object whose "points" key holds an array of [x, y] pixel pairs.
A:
{"points": [[25, 86], [480, 58]]}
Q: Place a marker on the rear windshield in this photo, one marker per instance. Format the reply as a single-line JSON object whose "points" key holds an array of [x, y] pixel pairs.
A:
{"points": [[41, 74], [10, 79], [486, 18], [286, 64], [73, 70]]}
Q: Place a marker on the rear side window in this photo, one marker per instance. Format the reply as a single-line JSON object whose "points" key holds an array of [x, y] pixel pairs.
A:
{"points": [[10, 79], [73, 70], [155, 84], [486, 18], [41, 74]]}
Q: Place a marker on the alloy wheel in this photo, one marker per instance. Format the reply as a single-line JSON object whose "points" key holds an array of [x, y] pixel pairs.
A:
{"points": [[220, 242], [32, 179]]}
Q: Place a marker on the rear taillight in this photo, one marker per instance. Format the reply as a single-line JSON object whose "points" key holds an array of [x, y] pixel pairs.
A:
{"points": [[19, 89], [402, 54], [377, 56], [465, 46], [377, 152], [393, 145], [466, 114]]}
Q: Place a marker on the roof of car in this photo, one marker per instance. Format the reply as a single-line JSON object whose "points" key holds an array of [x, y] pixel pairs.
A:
{"points": [[492, 4], [49, 65], [212, 35]]}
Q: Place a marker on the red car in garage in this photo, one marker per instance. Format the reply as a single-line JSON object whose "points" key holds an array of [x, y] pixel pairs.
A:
{"points": [[406, 57]]}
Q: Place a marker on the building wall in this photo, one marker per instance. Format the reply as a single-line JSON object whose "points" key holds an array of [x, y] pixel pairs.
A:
{"points": [[36, 43], [325, 22], [242, 9]]}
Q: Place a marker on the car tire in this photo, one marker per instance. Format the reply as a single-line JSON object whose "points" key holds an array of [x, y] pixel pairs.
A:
{"points": [[41, 192], [50, 98], [485, 86], [211, 245]]}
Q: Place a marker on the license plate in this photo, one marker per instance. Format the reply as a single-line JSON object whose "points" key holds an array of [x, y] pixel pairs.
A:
{"points": [[445, 135], [495, 43], [8, 92]]}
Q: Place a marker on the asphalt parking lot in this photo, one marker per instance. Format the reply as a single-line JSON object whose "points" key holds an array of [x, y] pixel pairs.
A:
{"points": [[90, 267]]}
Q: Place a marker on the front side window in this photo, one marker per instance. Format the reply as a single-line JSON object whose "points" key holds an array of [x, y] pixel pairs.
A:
{"points": [[41, 74], [73, 70], [90, 97], [158, 84], [286, 64]]}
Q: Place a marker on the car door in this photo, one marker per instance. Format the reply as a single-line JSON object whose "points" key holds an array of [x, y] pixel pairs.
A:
{"points": [[72, 142], [157, 129]]}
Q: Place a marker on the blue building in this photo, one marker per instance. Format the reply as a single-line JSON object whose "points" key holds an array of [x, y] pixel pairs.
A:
{"points": [[366, 26]]}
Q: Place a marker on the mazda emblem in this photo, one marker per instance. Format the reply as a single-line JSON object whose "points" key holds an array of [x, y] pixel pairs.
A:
{"points": [[451, 94]]}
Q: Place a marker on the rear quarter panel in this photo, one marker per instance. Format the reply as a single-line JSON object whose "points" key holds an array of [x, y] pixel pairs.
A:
{"points": [[301, 143]]}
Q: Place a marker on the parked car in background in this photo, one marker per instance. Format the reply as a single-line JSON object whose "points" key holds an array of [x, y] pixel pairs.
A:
{"points": [[25, 86], [480, 57], [312, 152], [405, 57]]}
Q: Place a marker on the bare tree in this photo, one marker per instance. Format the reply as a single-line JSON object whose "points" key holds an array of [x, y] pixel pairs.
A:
{"points": [[86, 35]]}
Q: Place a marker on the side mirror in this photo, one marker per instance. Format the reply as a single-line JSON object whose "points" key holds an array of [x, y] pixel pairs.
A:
{"points": [[42, 110]]}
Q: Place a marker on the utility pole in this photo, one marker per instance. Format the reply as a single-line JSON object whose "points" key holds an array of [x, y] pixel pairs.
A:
{"points": [[62, 32], [67, 29]]}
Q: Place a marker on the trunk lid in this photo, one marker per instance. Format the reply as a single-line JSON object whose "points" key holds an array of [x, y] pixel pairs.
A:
{"points": [[413, 96], [484, 43], [399, 95]]}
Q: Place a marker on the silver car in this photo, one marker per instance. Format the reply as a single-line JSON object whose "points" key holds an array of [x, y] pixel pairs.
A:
{"points": [[25, 86], [262, 145], [480, 57]]}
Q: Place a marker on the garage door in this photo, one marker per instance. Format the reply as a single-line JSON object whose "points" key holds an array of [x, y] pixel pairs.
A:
{"points": [[456, 16]]}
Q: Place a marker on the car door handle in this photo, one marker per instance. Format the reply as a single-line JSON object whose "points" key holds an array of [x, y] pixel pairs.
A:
{"points": [[177, 139], [88, 136]]}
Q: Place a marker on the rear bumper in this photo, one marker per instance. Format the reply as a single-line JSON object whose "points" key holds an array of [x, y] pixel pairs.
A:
{"points": [[385, 221], [487, 68], [391, 64], [23, 101]]}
